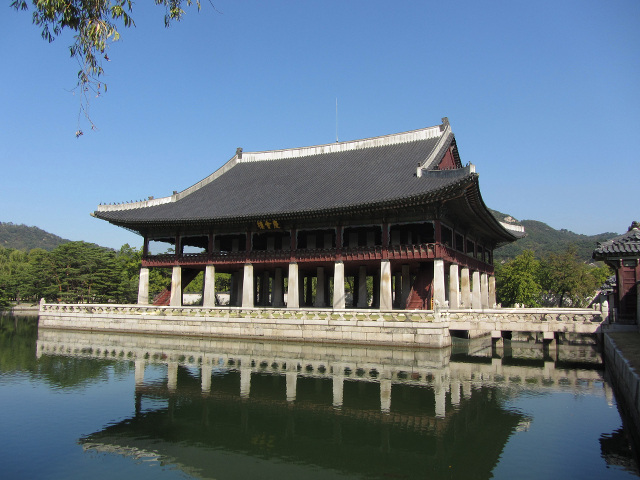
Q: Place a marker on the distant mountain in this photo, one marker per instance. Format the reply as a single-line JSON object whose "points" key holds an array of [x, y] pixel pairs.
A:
{"points": [[543, 240], [22, 237]]}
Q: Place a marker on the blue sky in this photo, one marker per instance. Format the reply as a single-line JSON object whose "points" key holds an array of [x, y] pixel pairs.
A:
{"points": [[543, 97]]}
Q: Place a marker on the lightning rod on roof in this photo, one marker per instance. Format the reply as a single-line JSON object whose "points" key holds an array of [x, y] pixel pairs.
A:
{"points": [[337, 120]]}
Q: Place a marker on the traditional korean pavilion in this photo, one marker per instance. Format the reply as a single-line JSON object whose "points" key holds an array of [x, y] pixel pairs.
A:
{"points": [[399, 209], [622, 253]]}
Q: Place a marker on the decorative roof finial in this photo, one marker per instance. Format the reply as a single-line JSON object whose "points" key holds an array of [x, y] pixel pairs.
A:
{"points": [[634, 224], [239, 153]]}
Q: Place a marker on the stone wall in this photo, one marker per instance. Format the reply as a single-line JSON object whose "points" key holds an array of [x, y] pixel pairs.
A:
{"points": [[356, 327], [626, 382]]}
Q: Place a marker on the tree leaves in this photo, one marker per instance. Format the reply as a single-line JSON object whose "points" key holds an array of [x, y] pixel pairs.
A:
{"points": [[96, 25]]}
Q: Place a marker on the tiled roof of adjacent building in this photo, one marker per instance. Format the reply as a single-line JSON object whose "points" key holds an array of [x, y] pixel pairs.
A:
{"points": [[627, 244]]}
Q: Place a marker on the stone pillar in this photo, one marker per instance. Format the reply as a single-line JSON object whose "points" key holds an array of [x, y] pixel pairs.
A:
{"points": [[339, 300], [484, 290], [292, 382], [454, 287], [492, 291], [176, 287], [438, 282], [406, 286], [385, 395], [205, 377], [277, 296], [465, 288], [362, 287], [476, 302], [247, 286], [455, 392], [172, 376], [209, 297], [139, 371], [338, 383], [143, 287], [245, 381], [386, 296], [441, 397], [320, 288], [293, 295]]}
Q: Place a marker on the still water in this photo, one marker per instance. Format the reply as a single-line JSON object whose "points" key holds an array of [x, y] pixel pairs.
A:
{"points": [[83, 405]]}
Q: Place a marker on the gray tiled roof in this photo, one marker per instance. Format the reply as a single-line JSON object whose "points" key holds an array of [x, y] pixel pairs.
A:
{"points": [[627, 244], [319, 182]]}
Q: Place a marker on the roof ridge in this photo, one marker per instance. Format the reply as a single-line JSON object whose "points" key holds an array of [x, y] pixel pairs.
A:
{"points": [[349, 145]]}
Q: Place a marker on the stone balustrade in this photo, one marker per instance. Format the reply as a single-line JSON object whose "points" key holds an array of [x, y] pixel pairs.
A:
{"points": [[414, 328]]}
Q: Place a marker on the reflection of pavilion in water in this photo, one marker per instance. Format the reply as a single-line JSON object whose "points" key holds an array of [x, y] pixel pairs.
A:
{"points": [[368, 411]]}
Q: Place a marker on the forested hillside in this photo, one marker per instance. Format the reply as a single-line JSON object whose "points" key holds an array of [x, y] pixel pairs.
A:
{"points": [[543, 240], [22, 237]]}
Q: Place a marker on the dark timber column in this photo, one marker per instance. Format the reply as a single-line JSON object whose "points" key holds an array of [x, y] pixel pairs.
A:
{"points": [[320, 284]]}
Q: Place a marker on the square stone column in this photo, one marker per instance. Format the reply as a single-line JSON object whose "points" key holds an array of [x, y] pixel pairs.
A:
{"points": [[277, 296], [143, 287], [476, 297], [465, 288], [339, 299], [362, 287], [386, 297], [293, 289], [492, 291], [484, 290], [438, 282], [319, 301], [176, 287], [209, 296], [454, 287], [247, 286]]}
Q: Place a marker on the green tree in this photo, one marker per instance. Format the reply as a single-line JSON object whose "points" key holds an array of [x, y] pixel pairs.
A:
{"points": [[517, 281], [95, 25], [570, 281]]}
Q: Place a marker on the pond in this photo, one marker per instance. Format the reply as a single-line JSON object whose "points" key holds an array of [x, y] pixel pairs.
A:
{"points": [[91, 405]]}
